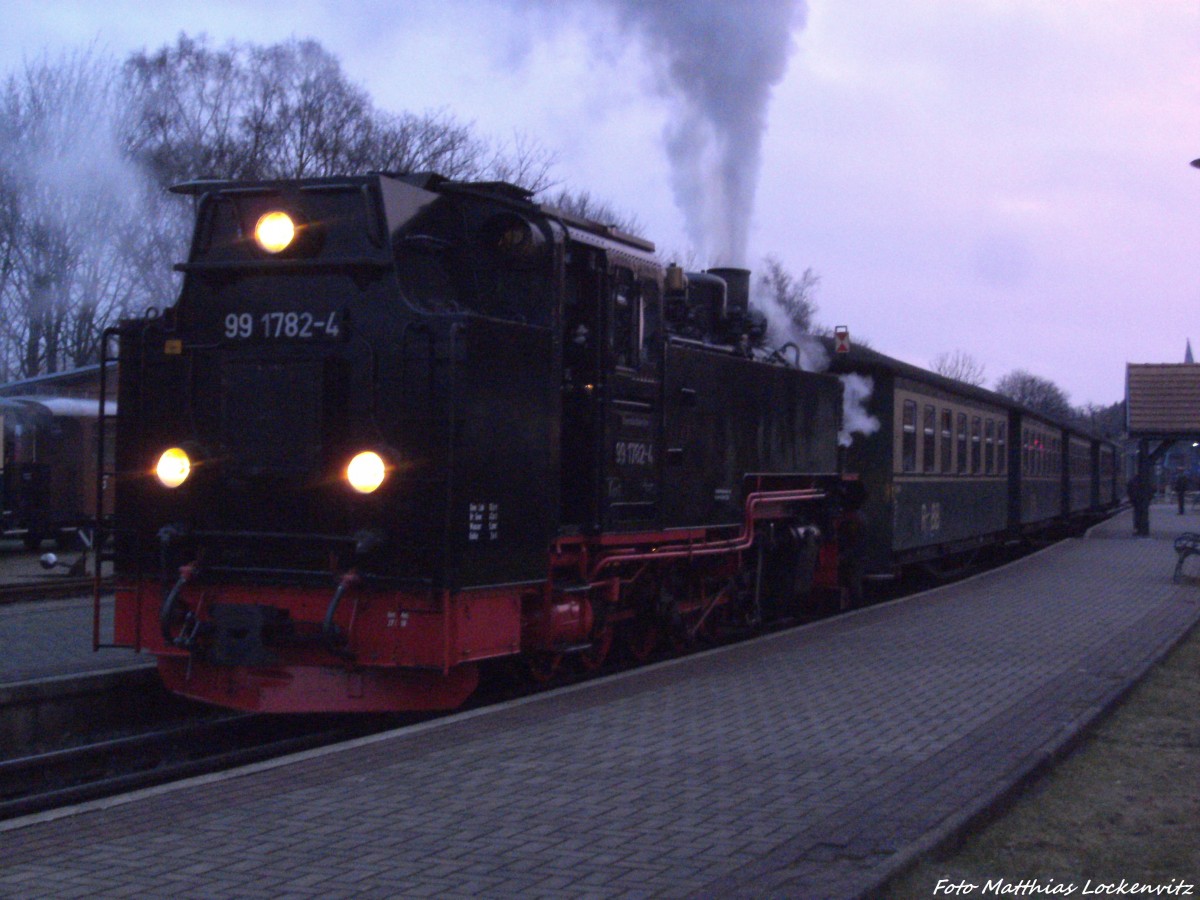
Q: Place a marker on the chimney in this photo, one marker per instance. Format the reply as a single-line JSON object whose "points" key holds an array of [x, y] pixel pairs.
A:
{"points": [[737, 290]]}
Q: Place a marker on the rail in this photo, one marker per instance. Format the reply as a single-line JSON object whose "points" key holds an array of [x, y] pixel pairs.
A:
{"points": [[76, 774]]}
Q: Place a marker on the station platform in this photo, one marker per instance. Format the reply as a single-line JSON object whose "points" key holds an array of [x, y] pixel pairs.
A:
{"points": [[52, 639], [811, 763]]}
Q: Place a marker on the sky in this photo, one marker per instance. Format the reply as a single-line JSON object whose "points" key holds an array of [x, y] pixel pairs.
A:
{"points": [[1004, 178]]}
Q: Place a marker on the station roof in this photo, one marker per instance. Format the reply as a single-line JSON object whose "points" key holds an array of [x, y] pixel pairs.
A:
{"points": [[81, 382], [1163, 399]]}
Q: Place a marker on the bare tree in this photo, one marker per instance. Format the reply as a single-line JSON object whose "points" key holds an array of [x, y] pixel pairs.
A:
{"points": [[433, 142], [1106, 421], [522, 161], [87, 231], [1037, 393], [188, 106], [793, 296], [303, 117], [67, 212], [960, 366], [288, 111], [586, 206]]}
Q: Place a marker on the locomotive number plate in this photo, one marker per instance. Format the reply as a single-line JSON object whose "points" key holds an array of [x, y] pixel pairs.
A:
{"points": [[279, 325], [634, 453]]}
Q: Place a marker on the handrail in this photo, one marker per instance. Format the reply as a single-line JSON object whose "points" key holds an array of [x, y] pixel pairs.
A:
{"points": [[100, 534], [743, 541]]}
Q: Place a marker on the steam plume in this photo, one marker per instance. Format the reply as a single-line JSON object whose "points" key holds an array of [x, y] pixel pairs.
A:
{"points": [[856, 390], [719, 60]]}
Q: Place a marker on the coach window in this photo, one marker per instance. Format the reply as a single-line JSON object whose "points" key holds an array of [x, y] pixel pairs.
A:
{"points": [[929, 440], [989, 446], [976, 444], [962, 443], [1001, 449], [947, 440], [908, 441]]}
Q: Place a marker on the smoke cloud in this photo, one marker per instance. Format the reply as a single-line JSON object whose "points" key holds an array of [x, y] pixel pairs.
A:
{"points": [[856, 391], [718, 61]]}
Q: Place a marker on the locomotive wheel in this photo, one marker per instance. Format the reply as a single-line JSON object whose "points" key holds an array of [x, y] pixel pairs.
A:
{"points": [[640, 639], [706, 631], [541, 667], [594, 656]]}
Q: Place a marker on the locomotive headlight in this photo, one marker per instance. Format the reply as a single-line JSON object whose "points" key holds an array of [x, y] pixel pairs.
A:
{"points": [[366, 472], [173, 467], [275, 232]]}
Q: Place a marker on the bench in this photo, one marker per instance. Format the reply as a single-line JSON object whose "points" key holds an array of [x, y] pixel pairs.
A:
{"points": [[1187, 544]]}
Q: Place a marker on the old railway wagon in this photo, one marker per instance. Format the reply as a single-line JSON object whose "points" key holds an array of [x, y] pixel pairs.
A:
{"points": [[396, 427], [948, 467], [48, 468]]}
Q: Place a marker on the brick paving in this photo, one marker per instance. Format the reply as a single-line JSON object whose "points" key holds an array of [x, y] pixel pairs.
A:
{"points": [[805, 764]]}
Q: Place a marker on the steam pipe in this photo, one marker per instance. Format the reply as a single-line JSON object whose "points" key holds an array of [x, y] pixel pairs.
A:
{"points": [[167, 610], [328, 630], [742, 541]]}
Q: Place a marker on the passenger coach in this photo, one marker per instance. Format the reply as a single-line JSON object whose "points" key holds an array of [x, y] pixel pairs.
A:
{"points": [[949, 467]]}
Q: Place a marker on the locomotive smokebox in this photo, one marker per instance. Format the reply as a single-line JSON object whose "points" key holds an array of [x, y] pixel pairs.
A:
{"points": [[737, 291]]}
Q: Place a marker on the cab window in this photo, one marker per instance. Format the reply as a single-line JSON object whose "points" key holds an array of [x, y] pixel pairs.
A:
{"points": [[625, 325]]}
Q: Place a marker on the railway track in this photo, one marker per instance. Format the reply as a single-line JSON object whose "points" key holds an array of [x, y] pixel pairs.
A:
{"points": [[57, 588], [58, 778]]}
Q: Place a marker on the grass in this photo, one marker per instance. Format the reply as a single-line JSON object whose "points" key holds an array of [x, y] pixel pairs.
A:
{"points": [[1125, 805]]}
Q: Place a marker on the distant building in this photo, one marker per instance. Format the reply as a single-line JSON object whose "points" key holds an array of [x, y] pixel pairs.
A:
{"points": [[83, 383], [1163, 401]]}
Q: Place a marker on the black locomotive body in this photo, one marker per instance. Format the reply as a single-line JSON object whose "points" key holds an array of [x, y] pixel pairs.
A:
{"points": [[434, 423], [949, 467]]}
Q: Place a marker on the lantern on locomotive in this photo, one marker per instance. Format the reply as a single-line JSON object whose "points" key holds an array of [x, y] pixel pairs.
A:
{"points": [[397, 426]]}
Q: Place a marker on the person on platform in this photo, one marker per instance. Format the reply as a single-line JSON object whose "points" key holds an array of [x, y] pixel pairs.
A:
{"points": [[1181, 489], [1140, 493]]}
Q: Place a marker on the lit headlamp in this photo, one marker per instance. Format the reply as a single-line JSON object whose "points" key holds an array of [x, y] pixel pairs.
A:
{"points": [[173, 467], [274, 232], [366, 472]]}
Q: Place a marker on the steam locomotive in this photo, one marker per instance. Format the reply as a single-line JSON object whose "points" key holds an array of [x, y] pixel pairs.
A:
{"points": [[396, 428]]}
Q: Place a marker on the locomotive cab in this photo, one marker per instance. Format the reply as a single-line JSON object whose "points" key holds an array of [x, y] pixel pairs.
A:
{"points": [[381, 334]]}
